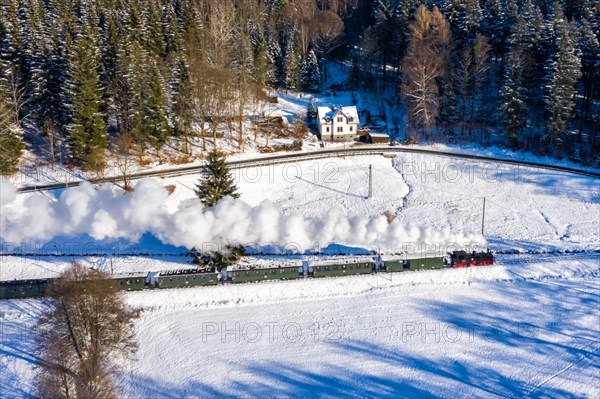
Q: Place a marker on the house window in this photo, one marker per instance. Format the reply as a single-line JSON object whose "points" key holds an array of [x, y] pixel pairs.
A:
{"points": [[327, 129], [340, 129], [340, 119], [351, 128]]}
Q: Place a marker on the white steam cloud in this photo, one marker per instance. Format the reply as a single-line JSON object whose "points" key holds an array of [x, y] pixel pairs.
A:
{"points": [[104, 214]]}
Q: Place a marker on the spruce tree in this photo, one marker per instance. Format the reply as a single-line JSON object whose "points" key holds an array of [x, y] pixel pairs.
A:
{"points": [[49, 92], [276, 54], [155, 122], [87, 128], [11, 146], [513, 95], [182, 108], [590, 60], [292, 62], [172, 34], [216, 181], [564, 73], [310, 73], [152, 34], [263, 70], [311, 112], [465, 19]]}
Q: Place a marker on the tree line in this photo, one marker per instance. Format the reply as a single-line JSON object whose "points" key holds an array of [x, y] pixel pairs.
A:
{"points": [[82, 77]]}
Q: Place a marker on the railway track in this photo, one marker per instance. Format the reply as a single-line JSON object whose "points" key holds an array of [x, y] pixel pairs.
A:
{"points": [[519, 257], [527, 258], [320, 154]]}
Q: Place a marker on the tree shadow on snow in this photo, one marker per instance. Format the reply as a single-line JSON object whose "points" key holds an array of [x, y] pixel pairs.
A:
{"points": [[17, 345]]}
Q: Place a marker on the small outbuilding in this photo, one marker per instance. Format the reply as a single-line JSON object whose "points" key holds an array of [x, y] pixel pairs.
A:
{"points": [[374, 138]]}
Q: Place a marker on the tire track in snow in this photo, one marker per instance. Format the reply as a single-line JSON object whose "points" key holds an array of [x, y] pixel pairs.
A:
{"points": [[555, 367]]}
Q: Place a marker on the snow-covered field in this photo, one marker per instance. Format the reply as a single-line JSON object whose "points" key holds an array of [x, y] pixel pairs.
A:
{"points": [[527, 327], [527, 209]]}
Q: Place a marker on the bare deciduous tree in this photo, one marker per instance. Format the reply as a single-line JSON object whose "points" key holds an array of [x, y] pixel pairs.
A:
{"points": [[327, 35], [86, 328], [126, 163], [302, 13], [479, 69], [424, 64]]}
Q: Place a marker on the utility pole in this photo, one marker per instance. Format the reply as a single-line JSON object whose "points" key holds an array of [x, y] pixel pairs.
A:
{"points": [[370, 181], [483, 216]]}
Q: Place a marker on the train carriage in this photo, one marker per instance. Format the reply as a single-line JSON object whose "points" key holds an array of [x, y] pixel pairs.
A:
{"points": [[23, 288], [273, 273], [338, 268], [185, 278], [402, 263], [244, 274], [130, 281]]}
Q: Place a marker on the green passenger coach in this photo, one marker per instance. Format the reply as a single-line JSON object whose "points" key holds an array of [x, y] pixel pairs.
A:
{"points": [[131, 281], [187, 278], [23, 288], [342, 269], [414, 262], [274, 273]]}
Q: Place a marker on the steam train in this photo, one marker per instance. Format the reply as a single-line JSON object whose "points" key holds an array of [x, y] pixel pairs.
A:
{"points": [[248, 274]]}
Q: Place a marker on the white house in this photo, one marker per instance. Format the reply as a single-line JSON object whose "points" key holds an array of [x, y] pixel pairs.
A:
{"points": [[337, 124]]}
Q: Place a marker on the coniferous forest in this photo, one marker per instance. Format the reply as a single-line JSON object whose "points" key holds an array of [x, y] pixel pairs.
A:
{"points": [[80, 79]]}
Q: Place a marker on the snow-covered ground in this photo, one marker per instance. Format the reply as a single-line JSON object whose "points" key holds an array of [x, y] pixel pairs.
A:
{"points": [[527, 327], [526, 208], [291, 107]]}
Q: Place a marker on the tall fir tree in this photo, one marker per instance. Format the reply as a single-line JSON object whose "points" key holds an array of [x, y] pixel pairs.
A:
{"points": [[292, 61], [464, 17], [152, 33], [155, 121], [50, 95], [181, 102], [216, 182], [513, 96], [310, 74], [171, 31], [263, 70], [564, 72], [11, 144], [87, 128], [590, 60]]}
